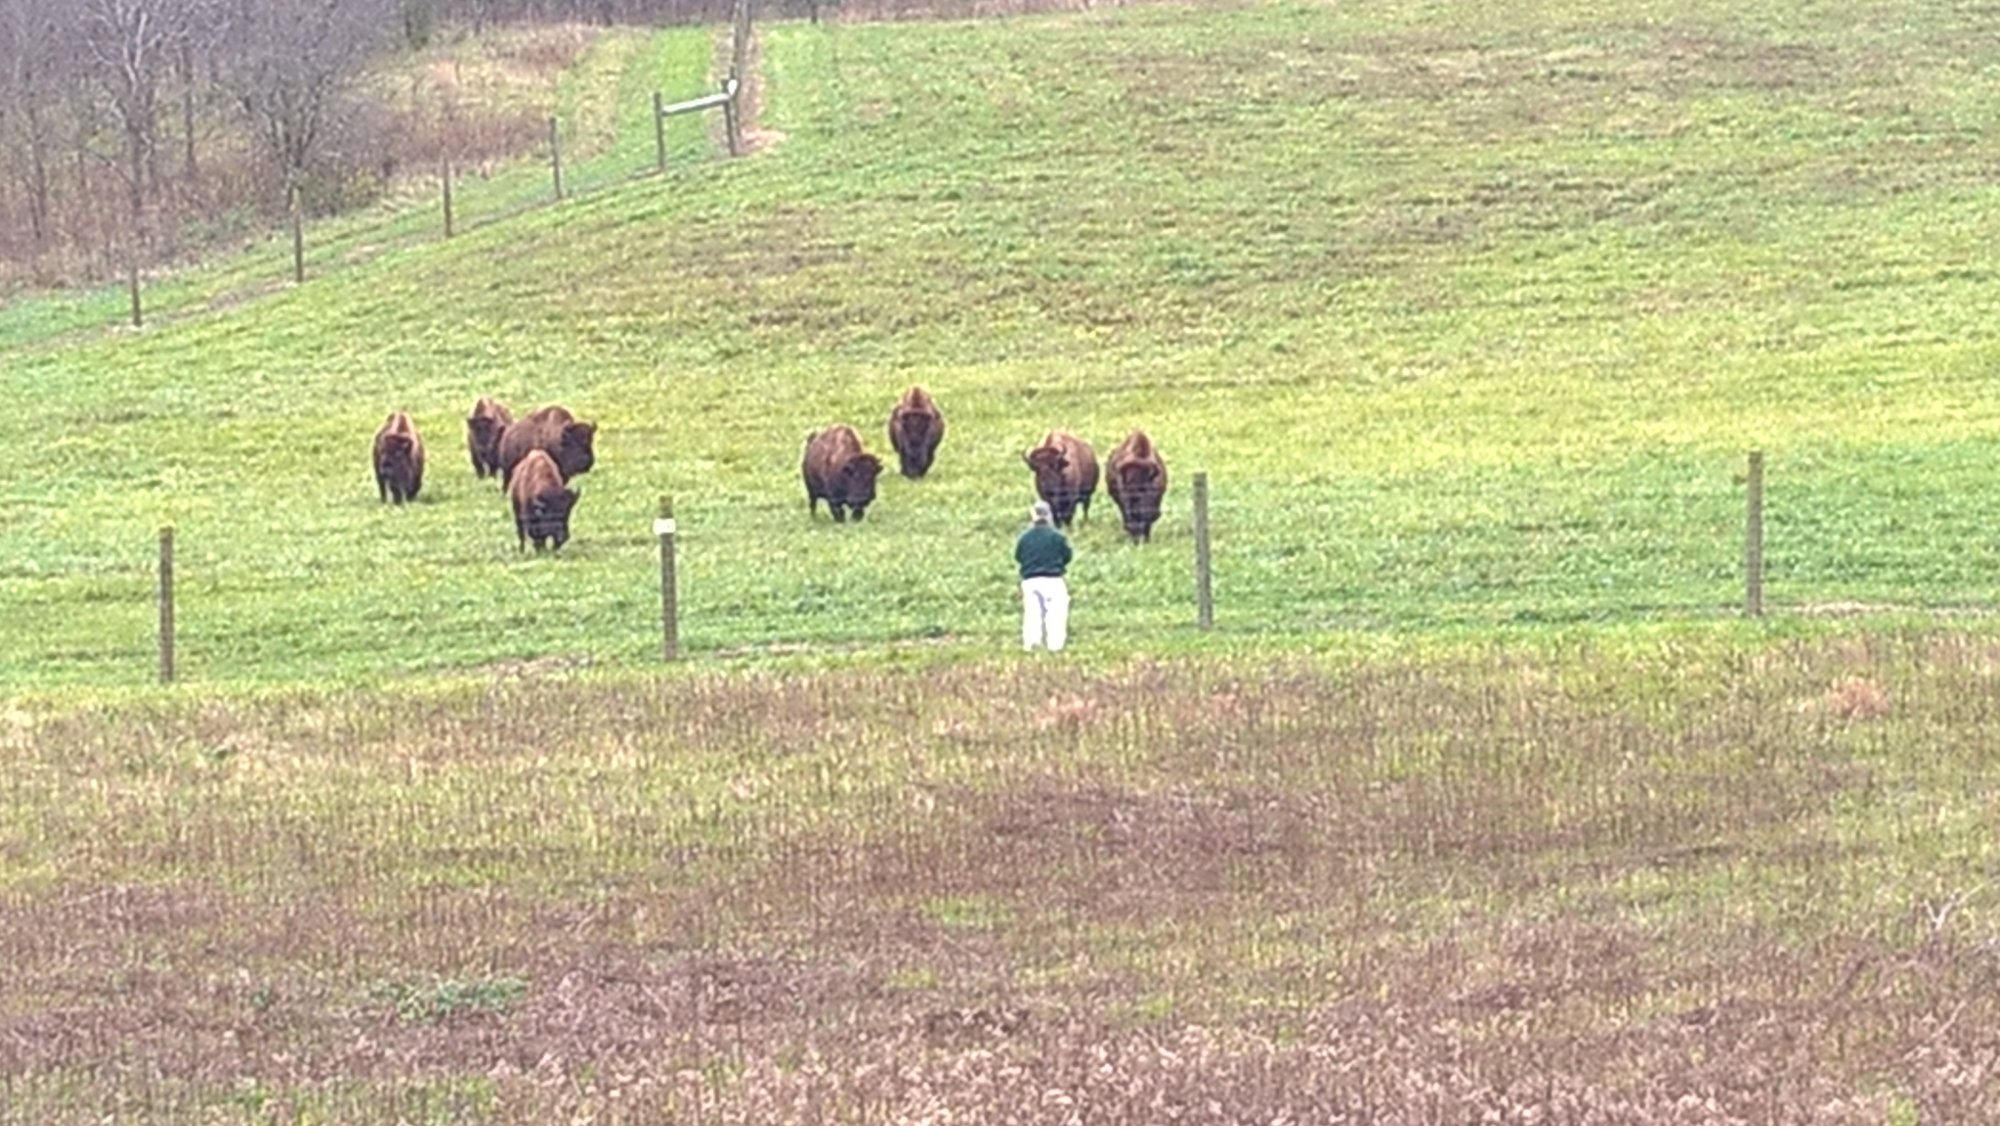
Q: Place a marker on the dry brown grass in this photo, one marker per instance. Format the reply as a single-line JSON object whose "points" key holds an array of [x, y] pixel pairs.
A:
{"points": [[482, 102], [1585, 888]]}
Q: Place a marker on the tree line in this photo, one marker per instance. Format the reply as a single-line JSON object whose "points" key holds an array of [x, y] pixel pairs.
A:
{"points": [[128, 128]]}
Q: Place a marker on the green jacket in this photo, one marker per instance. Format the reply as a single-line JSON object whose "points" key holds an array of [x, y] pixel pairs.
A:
{"points": [[1042, 552]]}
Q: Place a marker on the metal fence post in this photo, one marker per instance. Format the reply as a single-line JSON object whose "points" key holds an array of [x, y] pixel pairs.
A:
{"points": [[1204, 589], [670, 611]]}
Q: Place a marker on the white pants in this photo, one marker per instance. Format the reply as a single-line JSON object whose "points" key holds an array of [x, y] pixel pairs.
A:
{"points": [[1044, 612]]}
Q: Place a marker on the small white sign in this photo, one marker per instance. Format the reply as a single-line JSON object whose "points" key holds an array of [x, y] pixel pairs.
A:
{"points": [[663, 526]]}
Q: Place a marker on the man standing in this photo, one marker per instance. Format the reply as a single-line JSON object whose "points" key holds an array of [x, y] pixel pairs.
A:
{"points": [[1043, 554]]}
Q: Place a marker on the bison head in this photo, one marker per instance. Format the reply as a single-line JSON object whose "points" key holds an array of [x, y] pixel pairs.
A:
{"points": [[576, 454], [915, 436], [858, 481], [1138, 497], [548, 516], [1051, 479], [485, 432], [396, 452], [1045, 461]]}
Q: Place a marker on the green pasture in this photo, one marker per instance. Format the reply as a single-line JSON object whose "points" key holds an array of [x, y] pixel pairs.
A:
{"points": [[1480, 804], [1470, 313]]}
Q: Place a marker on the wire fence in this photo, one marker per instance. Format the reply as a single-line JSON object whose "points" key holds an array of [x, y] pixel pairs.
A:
{"points": [[576, 159], [1434, 555], [1280, 559]]}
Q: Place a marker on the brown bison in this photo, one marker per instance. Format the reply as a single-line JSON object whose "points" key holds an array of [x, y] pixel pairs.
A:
{"points": [[483, 427], [1065, 474], [915, 429], [554, 431], [838, 472], [1136, 478], [399, 459], [541, 504]]}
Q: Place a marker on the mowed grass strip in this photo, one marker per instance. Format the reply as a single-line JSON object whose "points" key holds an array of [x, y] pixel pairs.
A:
{"points": [[1498, 881], [1470, 320]]}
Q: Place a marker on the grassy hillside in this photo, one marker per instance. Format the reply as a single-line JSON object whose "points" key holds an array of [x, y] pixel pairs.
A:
{"points": [[1476, 807], [1470, 316]]}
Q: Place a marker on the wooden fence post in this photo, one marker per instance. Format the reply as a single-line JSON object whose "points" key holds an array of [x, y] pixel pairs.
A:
{"points": [[447, 198], [670, 611], [167, 604], [659, 133], [555, 155], [132, 267], [1204, 589], [1753, 538], [298, 237], [739, 64]]}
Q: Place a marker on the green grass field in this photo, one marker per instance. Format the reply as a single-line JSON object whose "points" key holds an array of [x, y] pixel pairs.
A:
{"points": [[1482, 803], [1470, 320]]}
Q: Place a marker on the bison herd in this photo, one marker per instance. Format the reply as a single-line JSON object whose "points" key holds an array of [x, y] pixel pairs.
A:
{"points": [[538, 457], [1065, 469], [838, 471], [535, 458]]}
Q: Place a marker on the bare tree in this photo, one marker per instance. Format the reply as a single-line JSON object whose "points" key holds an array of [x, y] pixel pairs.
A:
{"points": [[201, 30], [130, 46], [290, 64], [34, 84]]}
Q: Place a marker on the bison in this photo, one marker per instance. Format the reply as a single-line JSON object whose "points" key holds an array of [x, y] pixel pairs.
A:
{"points": [[483, 427], [839, 472], [554, 431], [399, 459], [1136, 478], [915, 429], [541, 502], [1065, 474]]}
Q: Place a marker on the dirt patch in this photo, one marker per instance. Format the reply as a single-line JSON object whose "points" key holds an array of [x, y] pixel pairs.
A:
{"points": [[1853, 699]]}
